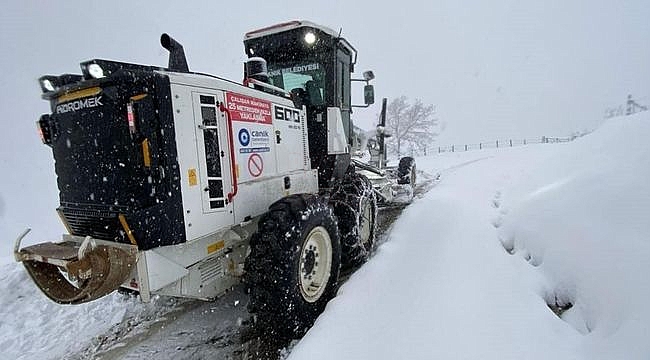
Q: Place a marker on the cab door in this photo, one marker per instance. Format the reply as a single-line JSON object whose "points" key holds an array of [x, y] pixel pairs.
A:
{"points": [[212, 145]]}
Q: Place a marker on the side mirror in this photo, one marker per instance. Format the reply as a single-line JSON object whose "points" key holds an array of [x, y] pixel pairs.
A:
{"points": [[368, 75], [368, 90], [369, 94]]}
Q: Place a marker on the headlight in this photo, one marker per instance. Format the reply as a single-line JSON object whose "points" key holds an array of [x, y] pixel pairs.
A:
{"points": [[47, 84], [310, 38], [95, 71]]}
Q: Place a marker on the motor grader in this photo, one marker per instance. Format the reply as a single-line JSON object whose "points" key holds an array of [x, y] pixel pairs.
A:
{"points": [[179, 183]]}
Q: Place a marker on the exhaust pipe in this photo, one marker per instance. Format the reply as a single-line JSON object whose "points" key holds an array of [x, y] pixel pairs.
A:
{"points": [[177, 60]]}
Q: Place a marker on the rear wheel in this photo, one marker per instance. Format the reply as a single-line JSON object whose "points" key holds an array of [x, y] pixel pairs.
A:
{"points": [[406, 173], [315, 264], [355, 207], [293, 268]]}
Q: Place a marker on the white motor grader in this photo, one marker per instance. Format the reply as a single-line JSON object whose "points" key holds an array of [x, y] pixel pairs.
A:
{"points": [[179, 183]]}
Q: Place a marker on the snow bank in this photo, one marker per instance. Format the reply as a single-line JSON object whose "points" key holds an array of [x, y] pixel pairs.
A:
{"points": [[588, 233], [469, 269], [34, 327]]}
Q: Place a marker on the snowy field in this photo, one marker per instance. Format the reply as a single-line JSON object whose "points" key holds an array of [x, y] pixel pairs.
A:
{"points": [[467, 271]]}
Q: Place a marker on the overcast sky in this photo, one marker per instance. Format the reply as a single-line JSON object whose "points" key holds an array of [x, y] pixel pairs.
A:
{"points": [[494, 69]]}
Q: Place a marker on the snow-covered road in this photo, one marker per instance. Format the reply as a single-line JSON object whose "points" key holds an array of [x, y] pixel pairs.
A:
{"points": [[119, 327]]}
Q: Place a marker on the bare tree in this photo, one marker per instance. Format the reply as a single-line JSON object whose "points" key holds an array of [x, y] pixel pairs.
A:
{"points": [[413, 126]]}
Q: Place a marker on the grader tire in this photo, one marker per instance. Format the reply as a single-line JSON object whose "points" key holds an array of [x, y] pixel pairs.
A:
{"points": [[293, 267], [355, 206], [406, 173]]}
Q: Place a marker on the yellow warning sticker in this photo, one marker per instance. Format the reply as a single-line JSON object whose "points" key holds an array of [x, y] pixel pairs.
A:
{"points": [[145, 153], [138, 97], [216, 246], [191, 174], [79, 94]]}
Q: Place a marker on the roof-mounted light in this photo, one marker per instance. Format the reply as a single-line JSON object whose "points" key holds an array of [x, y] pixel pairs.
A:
{"points": [[310, 38], [48, 83], [95, 71]]}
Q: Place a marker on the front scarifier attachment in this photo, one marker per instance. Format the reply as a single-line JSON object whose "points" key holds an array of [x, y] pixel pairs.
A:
{"points": [[75, 272]]}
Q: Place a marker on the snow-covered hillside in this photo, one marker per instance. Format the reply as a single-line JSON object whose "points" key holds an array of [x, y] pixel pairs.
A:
{"points": [[469, 269], [466, 272]]}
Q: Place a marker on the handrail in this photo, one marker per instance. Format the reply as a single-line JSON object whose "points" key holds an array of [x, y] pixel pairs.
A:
{"points": [[233, 169], [279, 90]]}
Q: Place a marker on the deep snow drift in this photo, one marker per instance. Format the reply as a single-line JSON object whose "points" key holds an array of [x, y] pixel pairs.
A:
{"points": [[469, 269], [466, 273]]}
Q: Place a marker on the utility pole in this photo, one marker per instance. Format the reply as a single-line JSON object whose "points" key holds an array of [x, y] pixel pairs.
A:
{"points": [[633, 106]]}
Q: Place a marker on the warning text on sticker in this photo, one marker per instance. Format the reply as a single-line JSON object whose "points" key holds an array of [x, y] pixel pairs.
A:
{"points": [[246, 108]]}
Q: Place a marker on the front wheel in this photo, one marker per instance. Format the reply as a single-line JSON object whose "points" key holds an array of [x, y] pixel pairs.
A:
{"points": [[293, 268], [406, 172]]}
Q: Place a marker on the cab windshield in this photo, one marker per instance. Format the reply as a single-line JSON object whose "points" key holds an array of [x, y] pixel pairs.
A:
{"points": [[307, 75]]}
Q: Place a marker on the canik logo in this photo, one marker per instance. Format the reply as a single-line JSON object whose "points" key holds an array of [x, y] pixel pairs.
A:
{"points": [[244, 137]]}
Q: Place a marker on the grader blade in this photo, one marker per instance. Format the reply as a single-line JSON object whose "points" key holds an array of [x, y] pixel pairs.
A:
{"points": [[73, 273]]}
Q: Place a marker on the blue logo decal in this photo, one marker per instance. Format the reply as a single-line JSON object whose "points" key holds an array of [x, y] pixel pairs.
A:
{"points": [[244, 137]]}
